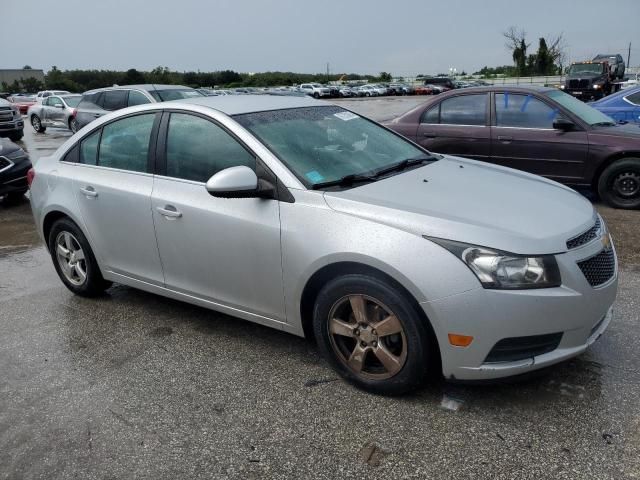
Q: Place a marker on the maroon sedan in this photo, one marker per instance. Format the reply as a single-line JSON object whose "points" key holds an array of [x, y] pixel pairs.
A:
{"points": [[538, 130], [23, 102]]}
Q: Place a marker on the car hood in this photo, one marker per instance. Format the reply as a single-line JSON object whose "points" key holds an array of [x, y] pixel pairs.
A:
{"points": [[584, 76], [473, 202], [630, 131]]}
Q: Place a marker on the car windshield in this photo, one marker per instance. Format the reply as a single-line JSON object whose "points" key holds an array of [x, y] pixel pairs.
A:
{"points": [[585, 68], [327, 143], [174, 94], [585, 112], [72, 101]]}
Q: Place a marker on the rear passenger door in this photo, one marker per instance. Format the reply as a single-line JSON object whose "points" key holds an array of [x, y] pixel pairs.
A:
{"points": [[223, 250], [112, 182], [457, 125], [523, 137]]}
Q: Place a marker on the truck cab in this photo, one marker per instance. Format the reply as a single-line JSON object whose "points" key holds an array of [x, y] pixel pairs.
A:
{"points": [[589, 80]]}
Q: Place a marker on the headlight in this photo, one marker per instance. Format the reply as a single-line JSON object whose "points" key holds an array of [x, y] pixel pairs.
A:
{"points": [[561, 87], [596, 86], [502, 270]]}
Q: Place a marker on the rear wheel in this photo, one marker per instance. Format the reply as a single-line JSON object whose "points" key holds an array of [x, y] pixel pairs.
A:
{"points": [[73, 125], [371, 334], [619, 184], [36, 123], [316, 95], [74, 261]]}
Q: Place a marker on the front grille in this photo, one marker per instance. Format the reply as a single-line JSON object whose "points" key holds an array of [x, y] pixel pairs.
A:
{"points": [[520, 348], [600, 268], [578, 83], [585, 237], [6, 116]]}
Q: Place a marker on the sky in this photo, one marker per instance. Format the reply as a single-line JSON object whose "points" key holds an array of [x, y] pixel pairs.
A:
{"points": [[404, 38]]}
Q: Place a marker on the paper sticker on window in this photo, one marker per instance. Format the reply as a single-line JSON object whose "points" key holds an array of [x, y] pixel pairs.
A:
{"points": [[314, 176], [345, 116]]}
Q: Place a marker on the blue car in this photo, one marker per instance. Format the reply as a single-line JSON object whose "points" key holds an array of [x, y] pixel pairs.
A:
{"points": [[622, 106]]}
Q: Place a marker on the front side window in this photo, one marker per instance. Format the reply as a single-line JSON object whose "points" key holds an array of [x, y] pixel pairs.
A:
{"points": [[125, 143], [464, 110], [431, 116], [89, 149], [198, 148], [523, 111], [327, 143], [114, 100]]}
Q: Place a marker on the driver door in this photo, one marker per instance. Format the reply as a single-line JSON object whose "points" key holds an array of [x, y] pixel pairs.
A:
{"points": [[55, 111], [226, 251]]}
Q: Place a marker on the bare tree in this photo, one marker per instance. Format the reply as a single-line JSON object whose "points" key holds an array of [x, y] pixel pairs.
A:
{"points": [[516, 43], [558, 50]]}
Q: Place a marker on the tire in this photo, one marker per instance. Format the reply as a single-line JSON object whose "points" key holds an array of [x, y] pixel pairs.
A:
{"points": [[316, 95], [15, 197], [354, 352], [73, 125], [84, 277], [14, 137], [36, 123], [619, 184]]}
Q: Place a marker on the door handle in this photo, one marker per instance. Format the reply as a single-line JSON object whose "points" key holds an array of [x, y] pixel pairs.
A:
{"points": [[502, 138], [89, 191], [97, 115], [169, 211], [429, 135]]}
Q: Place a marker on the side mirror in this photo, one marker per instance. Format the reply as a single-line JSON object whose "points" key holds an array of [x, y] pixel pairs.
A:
{"points": [[239, 182], [563, 124]]}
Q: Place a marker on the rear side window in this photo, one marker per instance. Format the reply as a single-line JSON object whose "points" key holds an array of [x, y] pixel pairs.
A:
{"points": [[90, 101], [464, 110], [523, 111], [198, 148], [125, 143], [89, 149], [114, 100], [137, 98], [634, 98]]}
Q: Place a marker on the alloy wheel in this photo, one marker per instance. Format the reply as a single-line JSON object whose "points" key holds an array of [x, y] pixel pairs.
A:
{"points": [[35, 123], [73, 124], [367, 337], [71, 258]]}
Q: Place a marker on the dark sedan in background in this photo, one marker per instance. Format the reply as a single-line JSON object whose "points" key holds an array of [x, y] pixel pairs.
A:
{"points": [[14, 165], [539, 130]]}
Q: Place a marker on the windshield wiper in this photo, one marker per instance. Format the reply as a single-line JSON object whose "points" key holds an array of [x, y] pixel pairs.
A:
{"points": [[346, 181], [404, 164]]}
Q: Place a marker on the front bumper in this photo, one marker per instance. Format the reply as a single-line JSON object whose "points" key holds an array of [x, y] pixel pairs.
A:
{"points": [[12, 126], [580, 312], [15, 178]]}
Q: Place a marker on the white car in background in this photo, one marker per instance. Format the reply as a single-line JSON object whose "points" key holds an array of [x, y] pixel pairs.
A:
{"points": [[47, 93], [315, 90]]}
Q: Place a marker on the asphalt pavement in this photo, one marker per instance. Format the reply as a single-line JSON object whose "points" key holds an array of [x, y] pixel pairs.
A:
{"points": [[133, 385]]}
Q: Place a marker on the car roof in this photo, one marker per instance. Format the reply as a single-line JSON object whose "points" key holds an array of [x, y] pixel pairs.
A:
{"points": [[239, 104], [145, 86]]}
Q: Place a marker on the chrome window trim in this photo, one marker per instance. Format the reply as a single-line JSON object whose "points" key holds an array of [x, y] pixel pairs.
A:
{"points": [[626, 99], [11, 164]]}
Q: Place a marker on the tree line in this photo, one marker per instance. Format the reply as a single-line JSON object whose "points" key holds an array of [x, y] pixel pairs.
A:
{"points": [[83, 80]]}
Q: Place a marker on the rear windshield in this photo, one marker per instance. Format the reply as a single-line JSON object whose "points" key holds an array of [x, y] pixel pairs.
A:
{"points": [[174, 94]]}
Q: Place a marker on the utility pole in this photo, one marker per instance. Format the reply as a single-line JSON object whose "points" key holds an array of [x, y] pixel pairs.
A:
{"points": [[629, 56], [327, 72]]}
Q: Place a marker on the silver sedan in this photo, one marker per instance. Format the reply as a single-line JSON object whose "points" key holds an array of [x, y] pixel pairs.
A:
{"points": [[54, 111], [306, 217]]}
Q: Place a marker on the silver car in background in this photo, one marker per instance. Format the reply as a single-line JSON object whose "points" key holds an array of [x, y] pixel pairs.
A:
{"points": [[303, 216], [99, 102], [54, 111]]}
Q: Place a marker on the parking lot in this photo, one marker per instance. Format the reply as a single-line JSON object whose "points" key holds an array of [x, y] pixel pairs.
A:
{"points": [[133, 385]]}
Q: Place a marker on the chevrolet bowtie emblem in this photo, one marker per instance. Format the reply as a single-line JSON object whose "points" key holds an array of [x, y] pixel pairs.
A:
{"points": [[606, 242]]}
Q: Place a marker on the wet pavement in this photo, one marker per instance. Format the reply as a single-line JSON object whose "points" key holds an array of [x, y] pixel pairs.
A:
{"points": [[133, 385]]}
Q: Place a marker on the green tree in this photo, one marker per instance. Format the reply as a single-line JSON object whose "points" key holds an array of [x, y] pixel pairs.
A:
{"points": [[31, 84], [385, 77], [132, 77]]}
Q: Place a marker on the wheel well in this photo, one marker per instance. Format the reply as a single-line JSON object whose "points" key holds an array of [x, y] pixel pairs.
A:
{"points": [[334, 270], [49, 220], [609, 161]]}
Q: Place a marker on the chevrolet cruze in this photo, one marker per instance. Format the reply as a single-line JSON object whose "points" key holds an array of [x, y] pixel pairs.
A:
{"points": [[303, 216]]}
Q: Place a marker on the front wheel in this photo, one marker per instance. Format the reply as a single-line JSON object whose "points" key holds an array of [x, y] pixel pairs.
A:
{"points": [[371, 334], [36, 123], [74, 261], [619, 184]]}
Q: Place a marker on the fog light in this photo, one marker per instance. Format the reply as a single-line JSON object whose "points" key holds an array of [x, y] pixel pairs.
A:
{"points": [[458, 340]]}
